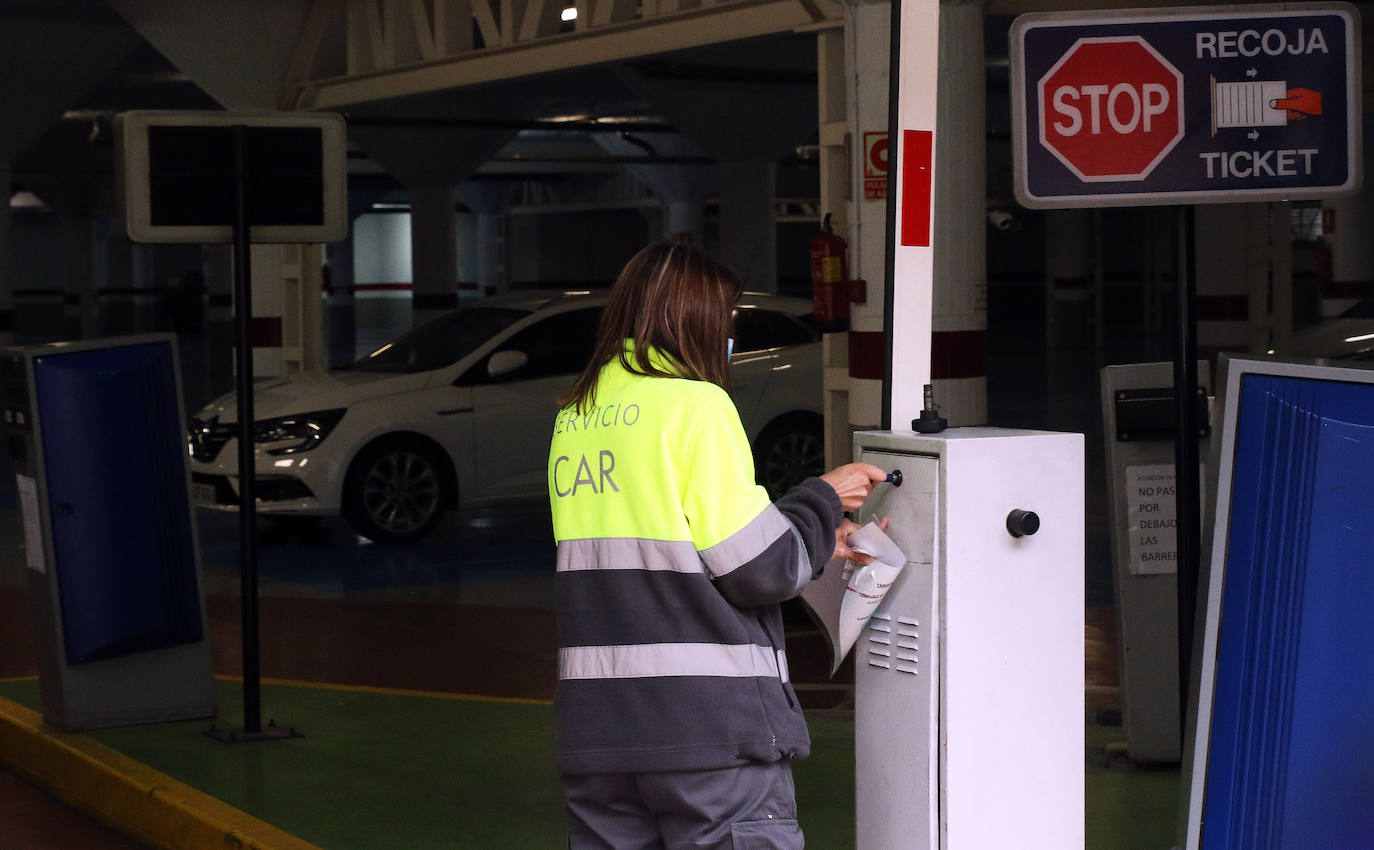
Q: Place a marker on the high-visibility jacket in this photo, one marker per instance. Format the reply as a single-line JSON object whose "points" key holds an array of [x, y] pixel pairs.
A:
{"points": [[671, 565]]}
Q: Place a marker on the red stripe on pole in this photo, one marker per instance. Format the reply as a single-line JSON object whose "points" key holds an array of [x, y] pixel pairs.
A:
{"points": [[1347, 288], [953, 354], [266, 331], [958, 354], [917, 147], [1223, 308], [867, 355]]}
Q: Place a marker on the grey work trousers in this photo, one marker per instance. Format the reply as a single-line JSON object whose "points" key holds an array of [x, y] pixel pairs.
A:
{"points": [[751, 807]]}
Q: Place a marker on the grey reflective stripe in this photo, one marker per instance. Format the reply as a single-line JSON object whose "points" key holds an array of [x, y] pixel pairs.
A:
{"points": [[748, 543], [803, 565], [782, 666], [635, 661], [628, 553]]}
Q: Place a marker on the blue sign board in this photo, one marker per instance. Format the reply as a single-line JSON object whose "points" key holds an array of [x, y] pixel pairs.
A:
{"points": [[1216, 104]]}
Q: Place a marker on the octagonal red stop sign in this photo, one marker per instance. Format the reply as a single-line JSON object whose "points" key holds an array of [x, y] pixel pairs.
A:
{"points": [[1111, 108]]}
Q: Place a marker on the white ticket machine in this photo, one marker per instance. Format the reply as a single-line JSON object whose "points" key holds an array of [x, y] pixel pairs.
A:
{"points": [[969, 675]]}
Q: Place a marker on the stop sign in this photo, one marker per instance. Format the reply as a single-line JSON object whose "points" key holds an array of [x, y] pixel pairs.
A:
{"points": [[1111, 108]]}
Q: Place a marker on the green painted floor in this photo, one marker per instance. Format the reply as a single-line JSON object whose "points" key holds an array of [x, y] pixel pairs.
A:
{"points": [[388, 770]]}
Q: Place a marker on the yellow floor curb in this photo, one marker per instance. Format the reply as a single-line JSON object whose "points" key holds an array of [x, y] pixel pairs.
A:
{"points": [[131, 797]]}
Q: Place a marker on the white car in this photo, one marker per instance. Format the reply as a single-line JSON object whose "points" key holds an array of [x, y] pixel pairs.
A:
{"points": [[459, 412], [1349, 336]]}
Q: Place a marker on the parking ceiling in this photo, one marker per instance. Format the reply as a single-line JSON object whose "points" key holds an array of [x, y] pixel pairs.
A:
{"points": [[71, 64]]}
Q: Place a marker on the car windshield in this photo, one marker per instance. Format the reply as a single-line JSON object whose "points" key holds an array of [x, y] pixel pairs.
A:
{"points": [[1362, 310], [442, 342]]}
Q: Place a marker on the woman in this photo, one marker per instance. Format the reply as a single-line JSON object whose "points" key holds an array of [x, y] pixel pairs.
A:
{"points": [[676, 720]]}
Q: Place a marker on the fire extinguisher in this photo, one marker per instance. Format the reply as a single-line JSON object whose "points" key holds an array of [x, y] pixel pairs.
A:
{"points": [[829, 289]]}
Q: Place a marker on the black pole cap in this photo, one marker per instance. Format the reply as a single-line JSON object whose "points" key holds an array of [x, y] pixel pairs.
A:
{"points": [[1021, 523], [930, 421]]}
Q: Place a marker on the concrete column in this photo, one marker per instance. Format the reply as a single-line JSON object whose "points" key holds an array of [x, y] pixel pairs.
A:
{"points": [[110, 275], [488, 201], [100, 272], [6, 262], [69, 312], [959, 318], [339, 331], [1068, 266], [189, 319], [747, 126], [430, 162], [1225, 262], [1346, 224], [748, 231], [115, 313], [682, 188], [1244, 277], [684, 220], [302, 283], [217, 264], [491, 253], [143, 276], [867, 37], [434, 251], [268, 300], [836, 199], [78, 268]]}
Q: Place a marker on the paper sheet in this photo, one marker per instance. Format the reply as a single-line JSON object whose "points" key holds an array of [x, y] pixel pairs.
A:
{"points": [[845, 596], [33, 529]]}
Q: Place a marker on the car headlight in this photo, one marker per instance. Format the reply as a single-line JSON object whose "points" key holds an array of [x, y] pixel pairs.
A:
{"points": [[300, 432]]}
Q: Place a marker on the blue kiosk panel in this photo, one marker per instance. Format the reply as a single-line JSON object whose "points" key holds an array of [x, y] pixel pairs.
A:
{"points": [[115, 473], [1291, 756]]}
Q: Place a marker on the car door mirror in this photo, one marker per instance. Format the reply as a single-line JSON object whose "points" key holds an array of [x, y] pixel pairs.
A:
{"points": [[505, 362]]}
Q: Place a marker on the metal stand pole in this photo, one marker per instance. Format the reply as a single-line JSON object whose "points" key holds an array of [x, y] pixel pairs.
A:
{"points": [[894, 135], [243, 352], [248, 538], [1187, 492]]}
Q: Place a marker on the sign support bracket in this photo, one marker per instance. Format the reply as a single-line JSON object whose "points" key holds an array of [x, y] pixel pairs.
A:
{"points": [[1187, 502]]}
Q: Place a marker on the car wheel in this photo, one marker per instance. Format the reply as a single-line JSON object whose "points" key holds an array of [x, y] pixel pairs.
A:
{"points": [[789, 452], [394, 492]]}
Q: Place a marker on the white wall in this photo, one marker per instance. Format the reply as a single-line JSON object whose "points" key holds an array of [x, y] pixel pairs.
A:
{"points": [[381, 248], [381, 255]]}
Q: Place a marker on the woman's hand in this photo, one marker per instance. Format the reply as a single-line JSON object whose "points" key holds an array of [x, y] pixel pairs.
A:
{"points": [[842, 550], [853, 482]]}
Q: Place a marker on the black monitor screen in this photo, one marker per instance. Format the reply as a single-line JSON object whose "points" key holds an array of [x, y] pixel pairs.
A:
{"points": [[191, 175]]}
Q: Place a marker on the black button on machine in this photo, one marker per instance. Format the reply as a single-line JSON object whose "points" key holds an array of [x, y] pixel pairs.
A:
{"points": [[1021, 523]]}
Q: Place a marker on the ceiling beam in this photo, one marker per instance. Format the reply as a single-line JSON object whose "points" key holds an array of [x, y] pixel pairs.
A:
{"points": [[706, 25]]}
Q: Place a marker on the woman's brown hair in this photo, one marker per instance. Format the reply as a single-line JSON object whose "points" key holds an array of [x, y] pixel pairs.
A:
{"points": [[672, 298]]}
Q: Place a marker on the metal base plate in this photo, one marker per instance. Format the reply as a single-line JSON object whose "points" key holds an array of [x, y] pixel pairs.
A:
{"points": [[270, 732]]}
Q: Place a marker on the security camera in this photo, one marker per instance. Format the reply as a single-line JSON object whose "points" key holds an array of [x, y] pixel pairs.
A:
{"points": [[1003, 220]]}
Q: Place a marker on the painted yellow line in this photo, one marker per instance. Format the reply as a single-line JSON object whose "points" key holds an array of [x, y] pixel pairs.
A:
{"points": [[366, 689], [400, 692], [131, 797]]}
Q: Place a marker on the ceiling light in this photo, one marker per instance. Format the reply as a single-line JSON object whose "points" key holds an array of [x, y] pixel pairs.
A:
{"points": [[1360, 338], [570, 13], [25, 200]]}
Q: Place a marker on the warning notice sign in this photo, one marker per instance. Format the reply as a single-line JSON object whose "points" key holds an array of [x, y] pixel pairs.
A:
{"points": [[1152, 521], [875, 166]]}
